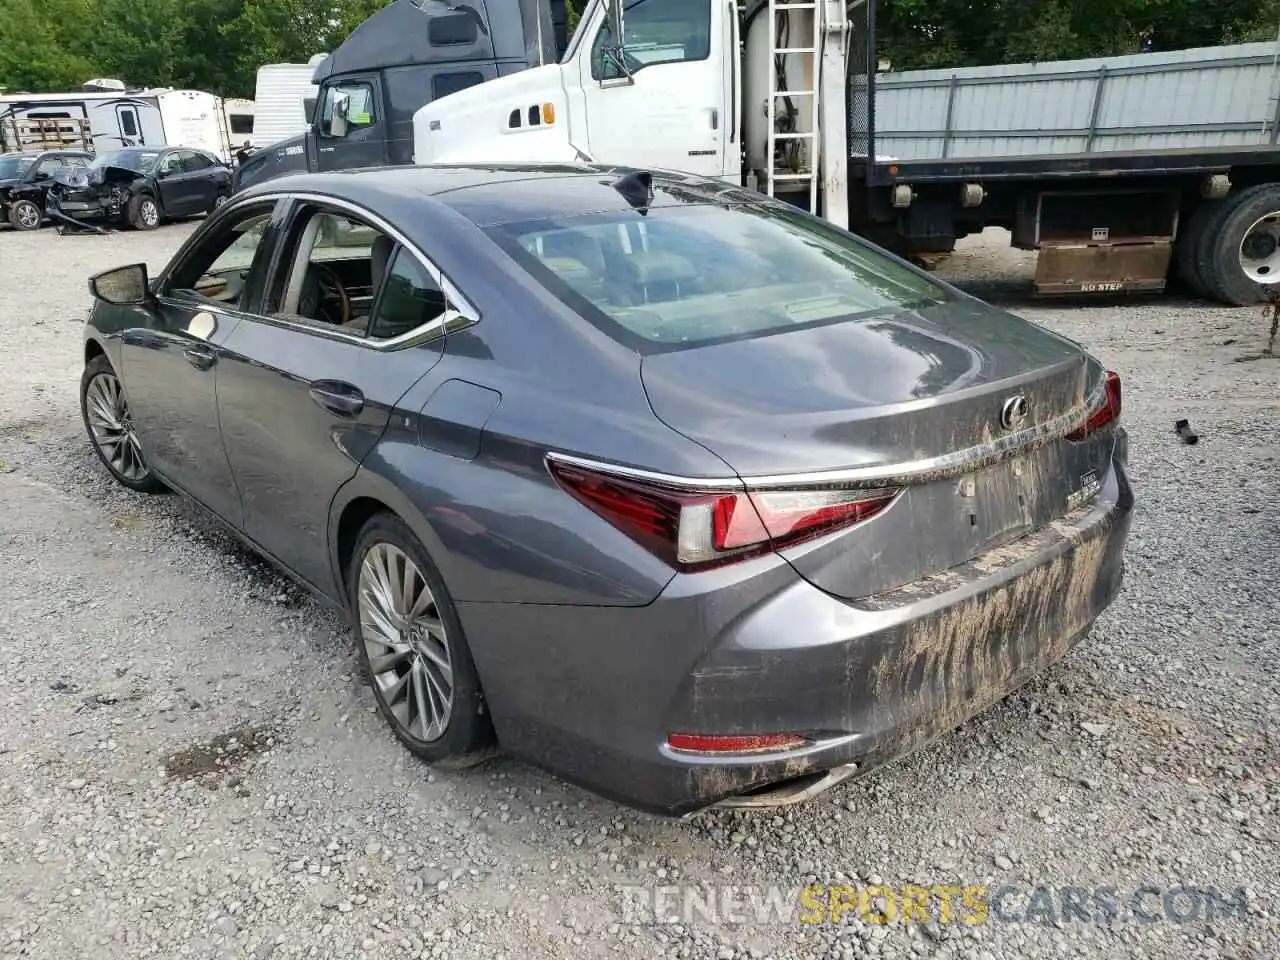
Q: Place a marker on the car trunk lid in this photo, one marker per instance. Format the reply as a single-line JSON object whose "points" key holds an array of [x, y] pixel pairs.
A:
{"points": [[960, 405]]}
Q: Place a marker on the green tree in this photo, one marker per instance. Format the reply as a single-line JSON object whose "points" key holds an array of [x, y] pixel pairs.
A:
{"points": [[39, 46]]}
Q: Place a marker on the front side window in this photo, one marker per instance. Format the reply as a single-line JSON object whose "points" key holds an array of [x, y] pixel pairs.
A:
{"points": [[689, 275], [46, 168], [655, 31], [358, 110], [219, 267], [169, 164]]}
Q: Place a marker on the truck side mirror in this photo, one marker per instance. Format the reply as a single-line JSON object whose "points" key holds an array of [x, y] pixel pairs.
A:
{"points": [[338, 118], [615, 50]]}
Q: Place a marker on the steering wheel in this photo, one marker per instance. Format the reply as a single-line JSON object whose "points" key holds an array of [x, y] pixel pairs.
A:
{"points": [[322, 295]]}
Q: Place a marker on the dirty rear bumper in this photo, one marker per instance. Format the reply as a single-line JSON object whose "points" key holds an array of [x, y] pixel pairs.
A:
{"points": [[763, 651]]}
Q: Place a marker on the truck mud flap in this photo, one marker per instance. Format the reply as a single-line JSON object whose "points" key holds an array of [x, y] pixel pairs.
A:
{"points": [[1103, 268]]}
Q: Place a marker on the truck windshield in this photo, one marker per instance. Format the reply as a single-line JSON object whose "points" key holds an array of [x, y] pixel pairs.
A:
{"points": [[11, 168], [139, 160], [691, 275]]}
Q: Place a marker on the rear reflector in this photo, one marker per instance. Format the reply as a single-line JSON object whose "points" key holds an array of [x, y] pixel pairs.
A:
{"points": [[1106, 412], [756, 743], [697, 529]]}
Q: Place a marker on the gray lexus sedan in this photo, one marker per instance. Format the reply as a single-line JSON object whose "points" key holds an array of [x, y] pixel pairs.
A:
{"points": [[683, 494]]}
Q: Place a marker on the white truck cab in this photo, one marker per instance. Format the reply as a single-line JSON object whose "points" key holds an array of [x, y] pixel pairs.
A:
{"points": [[662, 98]]}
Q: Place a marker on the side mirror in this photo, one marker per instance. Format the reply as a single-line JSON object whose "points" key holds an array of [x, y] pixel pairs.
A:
{"points": [[615, 51], [338, 119], [123, 286]]}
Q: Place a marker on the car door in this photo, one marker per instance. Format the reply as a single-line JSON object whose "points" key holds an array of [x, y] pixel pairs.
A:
{"points": [[674, 59], [172, 358], [303, 401], [353, 125], [175, 191], [199, 172]]}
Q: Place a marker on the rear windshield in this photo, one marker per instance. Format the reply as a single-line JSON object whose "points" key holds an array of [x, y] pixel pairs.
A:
{"points": [[691, 275]]}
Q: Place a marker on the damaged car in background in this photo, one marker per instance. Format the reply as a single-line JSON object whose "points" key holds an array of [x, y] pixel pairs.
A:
{"points": [[139, 187], [25, 179]]}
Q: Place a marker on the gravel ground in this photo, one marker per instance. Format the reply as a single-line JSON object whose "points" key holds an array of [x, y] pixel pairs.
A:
{"points": [[189, 766]]}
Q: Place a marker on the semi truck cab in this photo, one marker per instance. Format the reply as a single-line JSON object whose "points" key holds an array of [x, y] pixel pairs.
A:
{"points": [[403, 56]]}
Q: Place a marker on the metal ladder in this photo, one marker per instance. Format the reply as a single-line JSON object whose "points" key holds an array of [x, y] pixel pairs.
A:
{"points": [[227, 150], [812, 174]]}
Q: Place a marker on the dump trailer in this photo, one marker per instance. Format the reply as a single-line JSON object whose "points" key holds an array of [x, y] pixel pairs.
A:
{"points": [[1121, 172]]}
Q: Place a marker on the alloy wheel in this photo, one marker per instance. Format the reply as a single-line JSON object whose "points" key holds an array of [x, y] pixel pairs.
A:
{"points": [[406, 642], [149, 213], [28, 216], [1260, 250], [112, 428]]}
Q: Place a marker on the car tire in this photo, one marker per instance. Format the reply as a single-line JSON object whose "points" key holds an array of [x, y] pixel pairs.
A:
{"points": [[144, 212], [25, 215], [105, 412], [409, 663], [1220, 258]]}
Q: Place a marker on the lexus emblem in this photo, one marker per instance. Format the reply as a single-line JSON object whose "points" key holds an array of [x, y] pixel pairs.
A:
{"points": [[1014, 412]]}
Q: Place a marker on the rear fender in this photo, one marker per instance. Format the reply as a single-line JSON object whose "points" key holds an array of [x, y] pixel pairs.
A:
{"points": [[367, 484]]}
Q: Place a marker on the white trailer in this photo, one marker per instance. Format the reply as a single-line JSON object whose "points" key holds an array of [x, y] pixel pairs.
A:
{"points": [[156, 117], [1134, 184], [280, 100], [241, 116]]}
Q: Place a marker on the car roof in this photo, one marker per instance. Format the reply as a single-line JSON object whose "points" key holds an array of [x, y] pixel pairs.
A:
{"points": [[488, 194], [60, 151]]}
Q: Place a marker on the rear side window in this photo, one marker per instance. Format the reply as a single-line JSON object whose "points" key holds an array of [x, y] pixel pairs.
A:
{"points": [[410, 298], [691, 275], [443, 84]]}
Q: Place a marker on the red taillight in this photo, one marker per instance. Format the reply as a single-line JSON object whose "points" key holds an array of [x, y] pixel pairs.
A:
{"points": [[751, 743], [691, 528], [1106, 412]]}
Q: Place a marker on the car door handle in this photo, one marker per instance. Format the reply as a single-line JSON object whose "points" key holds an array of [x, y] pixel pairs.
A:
{"points": [[200, 357], [337, 397]]}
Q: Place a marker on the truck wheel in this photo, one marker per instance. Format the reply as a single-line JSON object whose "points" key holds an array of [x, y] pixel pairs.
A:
{"points": [[1240, 256], [25, 215], [1192, 238], [144, 213]]}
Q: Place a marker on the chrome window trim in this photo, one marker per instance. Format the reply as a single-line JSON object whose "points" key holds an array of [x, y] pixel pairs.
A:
{"points": [[463, 315], [894, 474]]}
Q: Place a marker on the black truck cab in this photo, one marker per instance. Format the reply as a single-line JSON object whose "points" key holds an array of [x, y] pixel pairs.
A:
{"points": [[404, 56]]}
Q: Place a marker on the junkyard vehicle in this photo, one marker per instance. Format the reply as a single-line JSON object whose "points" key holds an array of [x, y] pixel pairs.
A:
{"points": [[357, 110], [144, 186], [25, 179], [672, 488]]}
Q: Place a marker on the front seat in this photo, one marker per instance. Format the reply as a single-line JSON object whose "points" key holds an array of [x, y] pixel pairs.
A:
{"points": [[379, 260]]}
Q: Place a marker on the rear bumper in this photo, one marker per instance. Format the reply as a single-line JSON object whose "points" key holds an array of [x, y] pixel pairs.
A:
{"points": [[592, 693]]}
